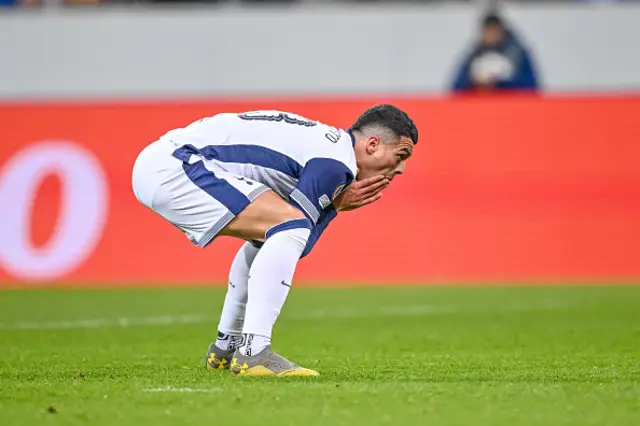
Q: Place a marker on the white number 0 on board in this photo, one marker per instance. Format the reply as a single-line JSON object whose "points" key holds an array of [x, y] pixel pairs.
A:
{"points": [[83, 209]]}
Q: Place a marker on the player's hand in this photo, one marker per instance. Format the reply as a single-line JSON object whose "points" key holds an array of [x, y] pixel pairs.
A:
{"points": [[485, 82], [360, 193]]}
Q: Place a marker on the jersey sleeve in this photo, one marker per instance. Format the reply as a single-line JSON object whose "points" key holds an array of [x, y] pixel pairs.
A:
{"points": [[325, 217], [321, 180]]}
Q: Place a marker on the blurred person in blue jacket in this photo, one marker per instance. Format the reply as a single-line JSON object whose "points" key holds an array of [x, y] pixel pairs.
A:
{"points": [[499, 61]]}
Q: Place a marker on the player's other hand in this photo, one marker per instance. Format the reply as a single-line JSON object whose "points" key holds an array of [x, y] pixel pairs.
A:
{"points": [[360, 193]]}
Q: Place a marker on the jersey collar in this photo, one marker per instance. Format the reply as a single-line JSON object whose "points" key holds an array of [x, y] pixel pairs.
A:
{"points": [[353, 139]]}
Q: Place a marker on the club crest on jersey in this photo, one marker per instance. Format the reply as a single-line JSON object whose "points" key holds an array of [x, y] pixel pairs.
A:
{"points": [[324, 201]]}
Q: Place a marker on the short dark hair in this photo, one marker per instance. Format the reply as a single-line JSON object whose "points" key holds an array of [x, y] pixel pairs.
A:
{"points": [[390, 117], [492, 19]]}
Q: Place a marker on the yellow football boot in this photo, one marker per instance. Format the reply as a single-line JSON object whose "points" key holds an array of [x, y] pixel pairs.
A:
{"points": [[267, 363]]}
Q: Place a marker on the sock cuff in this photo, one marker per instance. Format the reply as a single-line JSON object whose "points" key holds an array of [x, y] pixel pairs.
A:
{"points": [[288, 225], [256, 244]]}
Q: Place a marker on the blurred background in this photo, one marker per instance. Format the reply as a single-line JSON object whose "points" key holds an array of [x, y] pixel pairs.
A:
{"points": [[528, 111]]}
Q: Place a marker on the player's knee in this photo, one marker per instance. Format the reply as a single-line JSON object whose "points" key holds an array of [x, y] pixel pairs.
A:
{"points": [[300, 223], [297, 230]]}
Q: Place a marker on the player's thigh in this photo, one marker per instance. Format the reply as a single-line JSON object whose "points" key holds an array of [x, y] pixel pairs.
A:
{"points": [[204, 200], [208, 198], [264, 212]]}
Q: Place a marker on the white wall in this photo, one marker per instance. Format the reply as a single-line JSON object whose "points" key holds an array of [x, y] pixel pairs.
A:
{"points": [[229, 51]]}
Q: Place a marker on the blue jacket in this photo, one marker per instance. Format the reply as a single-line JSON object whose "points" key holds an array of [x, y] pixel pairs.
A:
{"points": [[524, 75]]}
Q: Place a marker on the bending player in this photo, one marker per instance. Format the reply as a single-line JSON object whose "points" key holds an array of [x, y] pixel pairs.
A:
{"points": [[275, 180]]}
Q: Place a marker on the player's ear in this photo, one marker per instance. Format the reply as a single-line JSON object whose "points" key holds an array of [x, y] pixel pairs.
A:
{"points": [[372, 144]]}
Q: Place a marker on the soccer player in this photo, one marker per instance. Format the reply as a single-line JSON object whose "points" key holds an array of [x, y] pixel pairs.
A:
{"points": [[274, 179]]}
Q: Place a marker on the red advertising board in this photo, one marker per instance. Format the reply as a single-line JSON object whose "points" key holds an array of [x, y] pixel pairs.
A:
{"points": [[517, 189]]}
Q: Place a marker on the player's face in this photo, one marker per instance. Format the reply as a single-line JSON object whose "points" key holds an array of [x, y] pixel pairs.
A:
{"points": [[388, 159], [492, 35]]}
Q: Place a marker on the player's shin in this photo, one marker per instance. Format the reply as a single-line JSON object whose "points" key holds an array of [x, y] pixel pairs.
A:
{"points": [[270, 280], [235, 302]]}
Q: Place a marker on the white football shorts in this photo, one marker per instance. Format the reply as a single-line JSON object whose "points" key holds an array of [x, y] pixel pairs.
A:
{"points": [[196, 195]]}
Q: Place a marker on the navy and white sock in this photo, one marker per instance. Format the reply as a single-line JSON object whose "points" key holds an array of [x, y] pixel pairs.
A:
{"points": [[271, 275], [228, 342], [235, 301]]}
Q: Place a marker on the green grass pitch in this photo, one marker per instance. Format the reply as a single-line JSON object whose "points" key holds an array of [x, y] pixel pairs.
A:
{"points": [[387, 356]]}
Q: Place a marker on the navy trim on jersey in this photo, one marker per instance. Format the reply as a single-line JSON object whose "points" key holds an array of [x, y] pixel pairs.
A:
{"points": [[244, 154], [218, 188], [353, 138]]}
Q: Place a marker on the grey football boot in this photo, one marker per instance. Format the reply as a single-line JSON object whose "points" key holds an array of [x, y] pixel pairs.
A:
{"points": [[267, 363], [218, 359]]}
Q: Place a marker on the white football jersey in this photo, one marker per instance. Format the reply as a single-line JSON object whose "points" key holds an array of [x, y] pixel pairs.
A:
{"points": [[306, 162]]}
